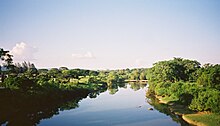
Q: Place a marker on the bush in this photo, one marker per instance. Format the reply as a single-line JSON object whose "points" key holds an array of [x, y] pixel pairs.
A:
{"points": [[22, 83], [176, 89], [208, 100], [11, 83], [162, 89]]}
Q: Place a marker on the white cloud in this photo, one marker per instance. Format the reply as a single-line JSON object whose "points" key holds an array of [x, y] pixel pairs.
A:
{"points": [[86, 55], [23, 52]]}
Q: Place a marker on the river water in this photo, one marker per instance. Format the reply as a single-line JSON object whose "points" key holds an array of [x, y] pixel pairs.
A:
{"points": [[125, 105]]}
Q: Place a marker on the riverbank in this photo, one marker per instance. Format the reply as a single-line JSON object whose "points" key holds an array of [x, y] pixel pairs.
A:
{"points": [[202, 119], [194, 118], [187, 118], [165, 100]]}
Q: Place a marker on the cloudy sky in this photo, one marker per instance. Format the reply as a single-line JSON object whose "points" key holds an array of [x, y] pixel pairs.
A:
{"points": [[109, 34]]}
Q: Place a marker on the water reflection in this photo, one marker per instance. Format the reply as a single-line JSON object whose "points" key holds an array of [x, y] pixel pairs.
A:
{"points": [[163, 108], [137, 86], [94, 94], [115, 87], [18, 109]]}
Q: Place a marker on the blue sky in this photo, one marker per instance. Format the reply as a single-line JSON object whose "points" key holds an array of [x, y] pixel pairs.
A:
{"points": [[110, 34]]}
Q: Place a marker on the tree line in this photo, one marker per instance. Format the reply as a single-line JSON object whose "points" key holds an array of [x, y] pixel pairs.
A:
{"points": [[26, 77], [186, 81]]}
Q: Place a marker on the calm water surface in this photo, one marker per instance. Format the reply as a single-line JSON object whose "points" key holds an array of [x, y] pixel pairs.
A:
{"points": [[123, 106]]}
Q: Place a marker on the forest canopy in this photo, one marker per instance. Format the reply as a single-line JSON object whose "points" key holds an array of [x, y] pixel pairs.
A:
{"points": [[193, 85]]}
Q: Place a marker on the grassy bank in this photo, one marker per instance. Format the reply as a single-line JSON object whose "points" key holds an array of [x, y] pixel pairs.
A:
{"points": [[203, 119], [194, 118], [166, 100]]}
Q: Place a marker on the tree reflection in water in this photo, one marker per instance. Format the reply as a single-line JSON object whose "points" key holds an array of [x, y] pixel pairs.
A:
{"points": [[20, 109], [166, 109], [28, 109], [114, 88]]}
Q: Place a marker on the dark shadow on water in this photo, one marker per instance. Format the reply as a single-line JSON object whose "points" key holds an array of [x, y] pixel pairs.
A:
{"points": [[166, 109], [22, 109]]}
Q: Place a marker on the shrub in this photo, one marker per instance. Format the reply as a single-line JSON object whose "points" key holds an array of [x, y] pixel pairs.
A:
{"points": [[208, 100]]}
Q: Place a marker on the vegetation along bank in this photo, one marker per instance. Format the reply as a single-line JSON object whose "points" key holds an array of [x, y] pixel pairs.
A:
{"points": [[186, 86]]}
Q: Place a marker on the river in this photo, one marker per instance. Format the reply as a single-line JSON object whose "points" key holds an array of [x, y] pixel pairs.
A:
{"points": [[124, 105]]}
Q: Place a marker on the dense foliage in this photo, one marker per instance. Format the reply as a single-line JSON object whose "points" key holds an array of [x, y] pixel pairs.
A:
{"points": [[194, 86], [182, 79], [27, 78]]}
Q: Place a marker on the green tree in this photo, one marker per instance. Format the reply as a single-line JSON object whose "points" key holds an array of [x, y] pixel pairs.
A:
{"points": [[134, 75], [112, 78], [203, 80], [210, 76], [6, 60], [63, 68], [142, 76], [54, 72], [207, 100], [19, 82], [174, 70]]}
